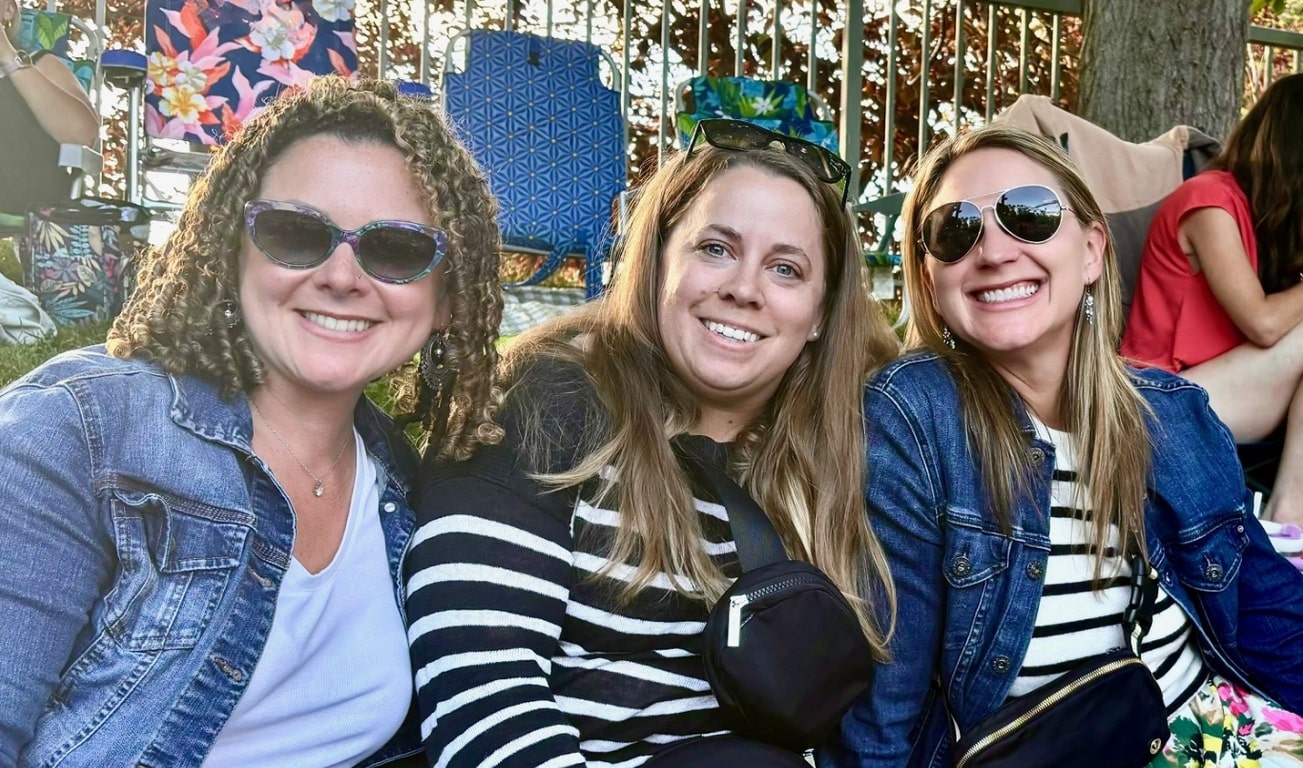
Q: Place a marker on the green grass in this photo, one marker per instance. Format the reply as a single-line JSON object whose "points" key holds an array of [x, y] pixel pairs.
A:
{"points": [[17, 359]]}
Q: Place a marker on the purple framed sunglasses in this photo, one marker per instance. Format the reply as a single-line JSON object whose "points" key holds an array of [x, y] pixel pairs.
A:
{"points": [[298, 236]]}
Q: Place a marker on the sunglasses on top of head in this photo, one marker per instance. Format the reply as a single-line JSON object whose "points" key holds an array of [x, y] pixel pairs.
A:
{"points": [[301, 237], [739, 135], [1031, 213]]}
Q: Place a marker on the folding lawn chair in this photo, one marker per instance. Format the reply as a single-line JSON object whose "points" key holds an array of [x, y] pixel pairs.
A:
{"points": [[536, 115]]}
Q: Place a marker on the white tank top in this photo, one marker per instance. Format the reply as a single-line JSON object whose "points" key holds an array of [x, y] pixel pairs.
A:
{"points": [[334, 681]]}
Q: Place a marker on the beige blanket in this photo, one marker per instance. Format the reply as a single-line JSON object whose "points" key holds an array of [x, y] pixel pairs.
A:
{"points": [[1129, 180]]}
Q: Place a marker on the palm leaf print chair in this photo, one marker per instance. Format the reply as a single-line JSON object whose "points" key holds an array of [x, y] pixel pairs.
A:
{"points": [[780, 106]]}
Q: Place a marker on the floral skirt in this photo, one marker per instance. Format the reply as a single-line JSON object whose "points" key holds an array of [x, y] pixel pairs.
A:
{"points": [[1224, 726]]}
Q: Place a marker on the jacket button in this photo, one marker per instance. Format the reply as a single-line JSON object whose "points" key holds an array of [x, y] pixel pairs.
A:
{"points": [[390, 506], [228, 669], [1213, 572], [961, 566], [1034, 570], [1036, 456], [1000, 664]]}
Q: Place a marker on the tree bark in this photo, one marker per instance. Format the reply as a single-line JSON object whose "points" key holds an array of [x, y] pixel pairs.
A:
{"points": [[1149, 65]]}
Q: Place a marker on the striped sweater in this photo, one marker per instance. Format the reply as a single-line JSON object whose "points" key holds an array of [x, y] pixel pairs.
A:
{"points": [[523, 656], [1075, 623]]}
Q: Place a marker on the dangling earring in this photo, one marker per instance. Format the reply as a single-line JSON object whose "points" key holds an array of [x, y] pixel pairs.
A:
{"points": [[230, 313], [1089, 306], [434, 368], [947, 337]]}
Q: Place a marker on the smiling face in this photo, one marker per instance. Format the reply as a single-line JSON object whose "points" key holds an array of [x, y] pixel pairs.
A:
{"points": [[742, 288], [333, 328], [1016, 302]]}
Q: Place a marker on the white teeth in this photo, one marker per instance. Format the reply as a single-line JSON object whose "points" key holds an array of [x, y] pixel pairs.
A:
{"points": [[1019, 291], [336, 324], [729, 332]]}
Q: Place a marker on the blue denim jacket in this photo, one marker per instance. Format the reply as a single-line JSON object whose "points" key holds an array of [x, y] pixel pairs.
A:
{"points": [[969, 593], [141, 550]]}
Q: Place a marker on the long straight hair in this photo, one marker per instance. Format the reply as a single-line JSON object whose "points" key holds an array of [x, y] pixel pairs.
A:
{"points": [[803, 459], [1265, 155], [1102, 410]]}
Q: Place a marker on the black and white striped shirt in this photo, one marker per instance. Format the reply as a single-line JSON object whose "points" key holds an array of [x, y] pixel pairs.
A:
{"points": [[1075, 623], [525, 658]]}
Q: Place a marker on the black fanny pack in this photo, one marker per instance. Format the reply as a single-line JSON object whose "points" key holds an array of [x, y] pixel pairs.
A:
{"points": [[783, 649], [1106, 712]]}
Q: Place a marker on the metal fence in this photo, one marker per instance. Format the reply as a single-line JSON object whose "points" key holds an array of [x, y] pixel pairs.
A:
{"points": [[895, 74]]}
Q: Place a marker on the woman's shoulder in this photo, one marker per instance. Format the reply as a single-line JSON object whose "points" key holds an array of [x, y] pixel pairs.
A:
{"points": [[90, 370], [1210, 188], [1179, 406], [918, 369]]}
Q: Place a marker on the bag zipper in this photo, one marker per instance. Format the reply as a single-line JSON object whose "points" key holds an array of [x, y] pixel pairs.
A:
{"points": [[1049, 701], [737, 602]]}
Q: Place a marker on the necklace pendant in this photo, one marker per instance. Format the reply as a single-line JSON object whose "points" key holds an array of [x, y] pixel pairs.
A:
{"points": [[318, 489]]}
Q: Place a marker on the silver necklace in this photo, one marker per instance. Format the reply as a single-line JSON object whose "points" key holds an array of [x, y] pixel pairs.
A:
{"points": [[318, 486]]}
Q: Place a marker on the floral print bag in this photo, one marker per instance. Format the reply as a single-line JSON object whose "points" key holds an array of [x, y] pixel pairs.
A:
{"points": [[76, 257]]}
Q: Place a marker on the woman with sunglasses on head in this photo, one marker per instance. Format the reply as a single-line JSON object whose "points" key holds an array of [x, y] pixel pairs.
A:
{"points": [[560, 581], [1219, 298], [205, 520], [1020, 474]]}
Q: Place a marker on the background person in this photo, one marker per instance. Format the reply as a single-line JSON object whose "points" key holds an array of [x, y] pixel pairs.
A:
{"points": [[42, 105], [557, 614], [1015, 465], [1219, 298], [205, 522]]}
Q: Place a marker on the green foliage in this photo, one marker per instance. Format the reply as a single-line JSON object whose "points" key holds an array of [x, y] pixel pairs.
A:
{"points": [[1275, 6], [9, 266]]}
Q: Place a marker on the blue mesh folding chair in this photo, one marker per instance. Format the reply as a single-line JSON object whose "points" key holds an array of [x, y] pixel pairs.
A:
{"points": [[535, 114]]}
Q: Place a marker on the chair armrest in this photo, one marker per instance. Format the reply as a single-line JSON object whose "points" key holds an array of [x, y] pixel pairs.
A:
{"points": [[82, 163]]}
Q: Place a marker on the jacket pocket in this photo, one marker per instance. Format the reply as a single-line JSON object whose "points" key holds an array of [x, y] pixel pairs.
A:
{"points": [[973, 555], [1210, 561], [176, 562]]}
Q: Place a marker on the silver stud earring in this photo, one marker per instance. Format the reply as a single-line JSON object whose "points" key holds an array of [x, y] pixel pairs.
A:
{"points": [[230, 313], [1089, 306], [814, 335], [947, 337]]}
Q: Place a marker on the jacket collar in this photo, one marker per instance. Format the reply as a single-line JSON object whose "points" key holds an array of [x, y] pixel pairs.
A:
{"points": [[197, 406]]}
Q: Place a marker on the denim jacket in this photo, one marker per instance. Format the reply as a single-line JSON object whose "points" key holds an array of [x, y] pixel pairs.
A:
{"points": [[968, 594], [142, 547]]}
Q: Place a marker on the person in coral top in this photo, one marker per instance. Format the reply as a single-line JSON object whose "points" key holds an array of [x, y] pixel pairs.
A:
{"points": [[1220, 293]]}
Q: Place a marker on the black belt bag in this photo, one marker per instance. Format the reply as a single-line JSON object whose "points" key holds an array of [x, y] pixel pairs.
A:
{"points": [[783, 649], [1106, 712]]}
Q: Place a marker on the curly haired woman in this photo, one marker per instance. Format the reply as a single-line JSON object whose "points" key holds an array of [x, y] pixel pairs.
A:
{"points": [[206, 519]]}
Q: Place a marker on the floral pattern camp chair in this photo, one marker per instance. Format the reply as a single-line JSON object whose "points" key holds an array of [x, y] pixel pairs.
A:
{"points": [[780, 106], [213, 64]]}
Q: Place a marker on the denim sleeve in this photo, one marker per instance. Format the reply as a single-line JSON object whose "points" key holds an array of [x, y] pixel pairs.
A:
{"points": [[55, 552], [886, 727]]}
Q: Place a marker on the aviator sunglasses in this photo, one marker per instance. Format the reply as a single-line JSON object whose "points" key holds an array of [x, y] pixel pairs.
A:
{"points": [[1031, 213], [301, 237], [740, 135]]}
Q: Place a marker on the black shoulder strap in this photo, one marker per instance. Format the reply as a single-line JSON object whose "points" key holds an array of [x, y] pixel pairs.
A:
{"points": [[1139, 615], [758, 543]]}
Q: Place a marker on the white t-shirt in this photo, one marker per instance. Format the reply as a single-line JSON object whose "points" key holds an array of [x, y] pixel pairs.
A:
{"points": [[334, 681]]}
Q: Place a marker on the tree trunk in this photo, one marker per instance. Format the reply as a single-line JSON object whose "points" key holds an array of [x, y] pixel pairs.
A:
{"points": [[1149, 65]]}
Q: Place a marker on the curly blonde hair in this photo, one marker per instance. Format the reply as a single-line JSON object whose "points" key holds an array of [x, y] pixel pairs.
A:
{"points": [[175, 315]]}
